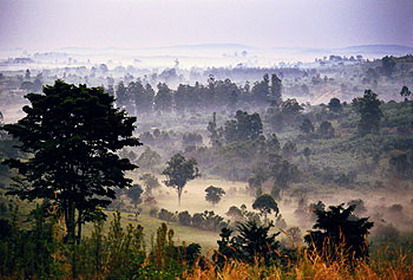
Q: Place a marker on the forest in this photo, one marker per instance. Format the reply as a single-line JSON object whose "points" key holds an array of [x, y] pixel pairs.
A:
{"points": [[287, 172]]}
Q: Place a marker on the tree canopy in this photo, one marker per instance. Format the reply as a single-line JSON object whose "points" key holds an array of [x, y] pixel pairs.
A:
{"points": [[179, 171], [214, 194], [72, 134], [338, 227], [368, 107]]}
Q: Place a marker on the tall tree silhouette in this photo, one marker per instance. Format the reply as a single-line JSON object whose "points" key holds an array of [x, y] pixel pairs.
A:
{"points": [[72, 133]]}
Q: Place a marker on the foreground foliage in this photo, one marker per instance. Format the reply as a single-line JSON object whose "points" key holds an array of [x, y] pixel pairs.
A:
{"points": [[37, 251]]}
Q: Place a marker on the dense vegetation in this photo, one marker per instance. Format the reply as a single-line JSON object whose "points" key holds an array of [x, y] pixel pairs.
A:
{"points": [[77, 148]]}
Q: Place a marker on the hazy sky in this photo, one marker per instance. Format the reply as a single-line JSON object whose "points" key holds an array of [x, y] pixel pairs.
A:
{"points": [[43, 24]]}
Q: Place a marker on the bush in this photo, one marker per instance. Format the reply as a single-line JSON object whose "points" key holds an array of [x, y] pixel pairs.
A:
{"points": [[166, 215]]}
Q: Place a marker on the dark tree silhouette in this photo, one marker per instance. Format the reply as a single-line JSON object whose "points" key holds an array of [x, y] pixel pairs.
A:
{"points": [[405, 92], [214, 194], [266, 205], [339, 233], [253, 242], [72, 133], [335, 105]]}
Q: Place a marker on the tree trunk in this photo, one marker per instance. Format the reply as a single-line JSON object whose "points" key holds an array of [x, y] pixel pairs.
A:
{"points": [[180, 195], [70, 222], [79, 226]]}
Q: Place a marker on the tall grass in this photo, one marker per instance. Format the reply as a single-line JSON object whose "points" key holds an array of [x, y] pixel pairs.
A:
{"points": [[119, 253], [310, 266]]}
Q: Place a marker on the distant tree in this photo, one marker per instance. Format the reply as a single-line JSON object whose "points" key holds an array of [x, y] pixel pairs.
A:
{"points": [[245, 127], [134, 193], [122, 98], [235, 213], [73, 163], [368, 107], [192, 139], [326, 130], [338, 232], [149, 159], [258, 177], [335, 105], [283, 173], [179, 171], [291, 108], [150, 182], [163, 99], [213, 131], [142, 97], [405, 92], [214, 194], [266, 204], [307, 127], [27, 74], [388, 65], [184, 218], [276, 88], [273, 145], [261, 91]]}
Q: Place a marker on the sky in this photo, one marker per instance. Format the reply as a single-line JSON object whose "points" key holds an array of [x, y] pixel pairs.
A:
{"points": [[54, 24]]}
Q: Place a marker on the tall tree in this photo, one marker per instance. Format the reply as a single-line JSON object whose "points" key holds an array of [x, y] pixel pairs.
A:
{"points": [[122, 98], [245, 127], [368, 107], [72, 133], [163, 99], [179, 171], [405, 92], [261, 91], [276, 88]]}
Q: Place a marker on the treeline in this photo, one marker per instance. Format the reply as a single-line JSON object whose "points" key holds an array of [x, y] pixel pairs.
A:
{"points": [[206, 220], [138, 98]]}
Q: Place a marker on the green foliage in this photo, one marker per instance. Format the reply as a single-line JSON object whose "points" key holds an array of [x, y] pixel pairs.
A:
{"points": [[28, 253], [245, 127], [253, 242], [73, 164], [368, 107]]}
